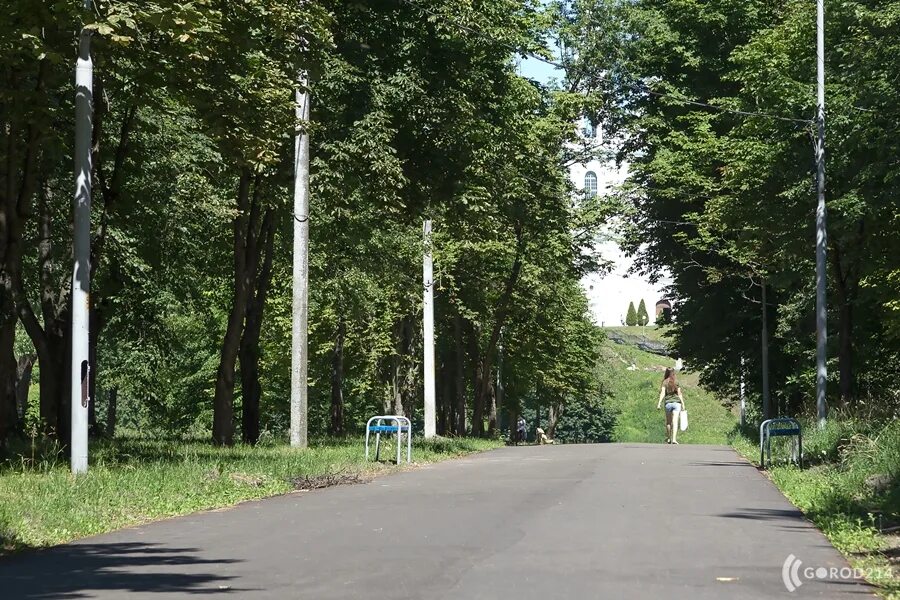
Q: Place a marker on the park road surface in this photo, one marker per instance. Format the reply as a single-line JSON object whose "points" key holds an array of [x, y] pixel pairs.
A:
{"points": [[612, 521]]}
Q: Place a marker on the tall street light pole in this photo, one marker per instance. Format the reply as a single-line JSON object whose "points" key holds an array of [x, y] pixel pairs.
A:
{"points": [[766, 393], [428, 331], [300, 307], [743, 397], [821, 236], [501, 392], [81, 249]]}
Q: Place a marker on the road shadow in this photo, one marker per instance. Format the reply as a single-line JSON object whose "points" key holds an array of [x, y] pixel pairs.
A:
{"points": [[786, 519], [765, 514], [733, 463], [79, 570]]}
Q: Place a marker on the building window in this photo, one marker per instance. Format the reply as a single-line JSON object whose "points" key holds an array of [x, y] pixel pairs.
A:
{"points": [[588, 130], [590, 184]]}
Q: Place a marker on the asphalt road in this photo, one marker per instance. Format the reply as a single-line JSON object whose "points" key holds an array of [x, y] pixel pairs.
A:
{"points": [[552, 522]]}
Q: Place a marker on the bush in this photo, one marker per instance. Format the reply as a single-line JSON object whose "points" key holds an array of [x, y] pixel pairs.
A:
{"points": [[585, 420]]}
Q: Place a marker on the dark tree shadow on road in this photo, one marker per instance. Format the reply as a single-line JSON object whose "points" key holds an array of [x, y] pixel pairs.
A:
{"points": [[786, 519], [766, 514], [81, 570], [734, 463]]}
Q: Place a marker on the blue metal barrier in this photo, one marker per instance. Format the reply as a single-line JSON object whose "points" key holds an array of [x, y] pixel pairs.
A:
{"points": [[399, 425], [781, 427]]}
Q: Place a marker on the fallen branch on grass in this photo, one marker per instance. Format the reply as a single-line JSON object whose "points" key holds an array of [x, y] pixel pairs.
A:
{"points": [[316, 482]]}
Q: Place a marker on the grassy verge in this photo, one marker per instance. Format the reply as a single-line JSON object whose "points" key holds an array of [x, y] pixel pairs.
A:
{"points": [[133, 481], [850, 490], [650, 332], [634, 384]]}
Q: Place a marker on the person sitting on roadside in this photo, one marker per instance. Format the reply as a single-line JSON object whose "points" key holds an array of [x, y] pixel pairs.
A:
{"points": [[542, 438]]}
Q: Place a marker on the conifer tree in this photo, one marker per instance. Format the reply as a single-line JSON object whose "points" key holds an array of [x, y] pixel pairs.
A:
{"points": [[642, 317], [631, 319]]}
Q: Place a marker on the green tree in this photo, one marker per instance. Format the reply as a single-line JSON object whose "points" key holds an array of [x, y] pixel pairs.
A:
{"points": [[631, 317], [642, 317], [723, 195], [413, 116]]}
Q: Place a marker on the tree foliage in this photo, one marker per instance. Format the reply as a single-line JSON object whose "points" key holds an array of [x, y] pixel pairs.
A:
{"points": [[714, 104], [413, 117], [642, 317]]}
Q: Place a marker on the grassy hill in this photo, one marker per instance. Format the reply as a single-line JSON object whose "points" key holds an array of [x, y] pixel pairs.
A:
{"points": [[650, 332], [634, 379]]}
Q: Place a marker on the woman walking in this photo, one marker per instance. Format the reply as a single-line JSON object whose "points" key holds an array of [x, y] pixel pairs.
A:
{"points": [[671, 393]]}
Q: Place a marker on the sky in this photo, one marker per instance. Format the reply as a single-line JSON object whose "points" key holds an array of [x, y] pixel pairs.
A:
{"points": [[539, 71], [609, 294]]}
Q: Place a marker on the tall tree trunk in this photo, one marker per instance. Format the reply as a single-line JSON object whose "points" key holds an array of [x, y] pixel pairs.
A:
{"points": [[94, 431], [500, 392], [49, 382], [112, 403], [396, 366], [53, 352], [55, 385], [337, 379], [449, 398], [764, 335], [514, 412], [556, 410], [51, 341], [8, 363], [845, 353], [404, 367], [477, 384], [24, 367], [258, 284], [223, 401], [847, 285], [482, 391], [387, 398], [459, 365], [97, 319], [54, 357], [8, 372], [411, 383], [492, 414], [444, 398], [23, 132], [93, 334]]}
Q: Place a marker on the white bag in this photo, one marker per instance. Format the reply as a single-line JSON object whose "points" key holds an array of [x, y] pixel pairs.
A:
{"points": [[682, 420]]}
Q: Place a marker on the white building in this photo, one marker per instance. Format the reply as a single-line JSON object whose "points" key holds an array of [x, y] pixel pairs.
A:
{"points": [[595, 176], [610, 294]]}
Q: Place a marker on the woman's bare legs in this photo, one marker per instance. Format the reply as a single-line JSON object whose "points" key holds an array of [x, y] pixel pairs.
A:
{"points": [[669, 427], [675, 414]]}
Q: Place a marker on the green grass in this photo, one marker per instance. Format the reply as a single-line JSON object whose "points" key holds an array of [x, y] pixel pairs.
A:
{"points": [[834, 494], [635, 393], [133, 481], [650, 332]]}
